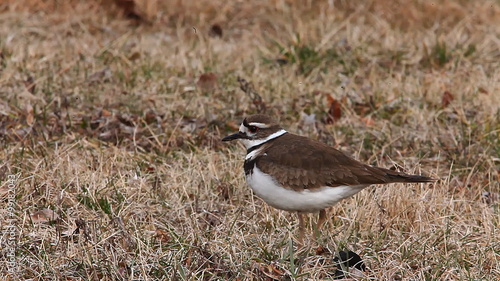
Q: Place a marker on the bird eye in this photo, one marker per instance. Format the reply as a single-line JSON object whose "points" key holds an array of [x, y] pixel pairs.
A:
{"points": [[253, 129]]}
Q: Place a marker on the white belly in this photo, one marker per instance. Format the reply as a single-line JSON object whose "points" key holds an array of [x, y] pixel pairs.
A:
{"points": [[304, 201]]}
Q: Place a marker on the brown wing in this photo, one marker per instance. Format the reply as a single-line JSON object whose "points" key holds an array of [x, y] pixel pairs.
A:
{"points": [[301, 163]]}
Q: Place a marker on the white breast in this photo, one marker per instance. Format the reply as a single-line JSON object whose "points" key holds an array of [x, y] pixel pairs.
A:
{"points": [[304, 201]]}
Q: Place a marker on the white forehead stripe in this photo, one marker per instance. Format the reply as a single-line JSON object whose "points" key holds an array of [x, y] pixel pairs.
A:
{"points": [[259, 125], [243, 129], [251, 143]]}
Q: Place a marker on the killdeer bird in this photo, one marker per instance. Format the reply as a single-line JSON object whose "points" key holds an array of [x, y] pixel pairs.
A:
{"points": [[298, 174]]}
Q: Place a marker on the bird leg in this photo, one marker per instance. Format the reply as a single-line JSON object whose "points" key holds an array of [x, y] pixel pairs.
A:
{"points": [[322, 219], [301, 226]]}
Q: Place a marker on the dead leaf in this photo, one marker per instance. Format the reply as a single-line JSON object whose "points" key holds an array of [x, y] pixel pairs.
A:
{"points": [[270, 270], [224, 191], [207, 82], [105, 113], [483, 91], [215, 31], [282, 60], [81, 227], [362, 109], [134, 56], [123, 270], [30, 84], [319, 92], [334, 110], [446, 99], [129, 9], [151, 117], [163, 236], [322, 251], [128, 120], [43, 216]]}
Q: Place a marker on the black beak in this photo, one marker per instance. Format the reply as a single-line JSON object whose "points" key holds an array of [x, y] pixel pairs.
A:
{"points": [[235, 136]]}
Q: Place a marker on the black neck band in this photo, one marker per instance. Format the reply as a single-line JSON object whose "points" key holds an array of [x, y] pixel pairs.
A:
{"points": [[255, 147]]}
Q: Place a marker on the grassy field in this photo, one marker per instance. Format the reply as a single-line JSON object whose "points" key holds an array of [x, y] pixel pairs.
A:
{"points": [[111, 118]]}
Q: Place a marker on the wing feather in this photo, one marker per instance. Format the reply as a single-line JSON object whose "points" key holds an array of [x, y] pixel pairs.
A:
{"points": [[300, 163]]}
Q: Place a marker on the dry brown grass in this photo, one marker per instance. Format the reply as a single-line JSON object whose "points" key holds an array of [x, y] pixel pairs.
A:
{"points": [[104, 121]]}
